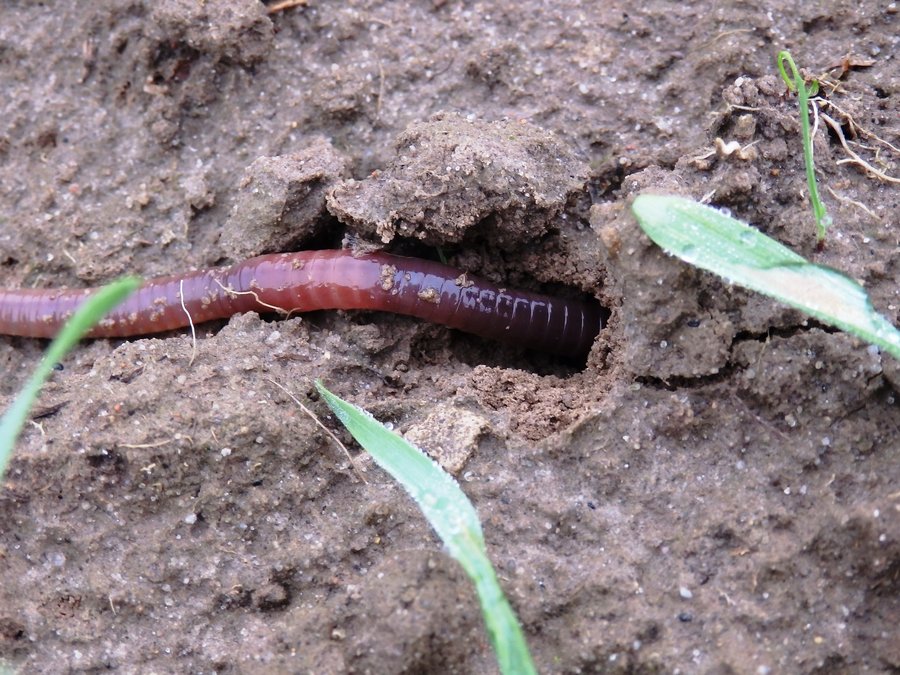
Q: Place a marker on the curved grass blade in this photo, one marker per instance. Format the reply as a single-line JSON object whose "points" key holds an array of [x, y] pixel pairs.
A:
{"points": [[84, 318], [796, 83], [452, 516], [712, 241]]}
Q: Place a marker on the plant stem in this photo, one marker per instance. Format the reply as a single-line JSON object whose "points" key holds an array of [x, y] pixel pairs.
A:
{"points": [[796, 83]]}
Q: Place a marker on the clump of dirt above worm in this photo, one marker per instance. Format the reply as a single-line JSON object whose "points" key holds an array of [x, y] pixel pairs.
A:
{"points": [[715, 491]]}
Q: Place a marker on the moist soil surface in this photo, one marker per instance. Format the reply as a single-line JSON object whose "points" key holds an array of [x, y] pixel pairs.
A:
{"points": [[715, 490]]}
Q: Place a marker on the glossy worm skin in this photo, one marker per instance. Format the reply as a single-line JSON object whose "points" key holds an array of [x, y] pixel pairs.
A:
{"points": [[314, 280]]}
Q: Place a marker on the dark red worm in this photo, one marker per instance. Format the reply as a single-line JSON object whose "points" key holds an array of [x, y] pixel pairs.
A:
{"points": [[313, 280]]}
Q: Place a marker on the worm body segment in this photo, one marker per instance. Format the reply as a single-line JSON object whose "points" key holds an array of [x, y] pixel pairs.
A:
{"points": [[314, 280]]}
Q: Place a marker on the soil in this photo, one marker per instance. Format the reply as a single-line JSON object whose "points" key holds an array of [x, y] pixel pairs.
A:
{"points": [[714, 491]]}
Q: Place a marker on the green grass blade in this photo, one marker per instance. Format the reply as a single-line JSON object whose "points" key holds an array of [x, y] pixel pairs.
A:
{"points": [[796, 83], [87, 315], [452, 516], [712, 241]]}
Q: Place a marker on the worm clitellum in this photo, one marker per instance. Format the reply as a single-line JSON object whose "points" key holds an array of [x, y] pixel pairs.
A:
{"points": [[313, 280]]}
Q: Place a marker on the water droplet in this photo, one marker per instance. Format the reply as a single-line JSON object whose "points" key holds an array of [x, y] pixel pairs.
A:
{"points": [[688, 252], [747, 238]]}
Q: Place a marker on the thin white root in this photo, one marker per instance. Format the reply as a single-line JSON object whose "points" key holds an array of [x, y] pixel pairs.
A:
{"points": [[854, 158], [858, 130], [859, 205], [190, 322], [279, 310], [328, 431], [285, 4], [142, 446]]}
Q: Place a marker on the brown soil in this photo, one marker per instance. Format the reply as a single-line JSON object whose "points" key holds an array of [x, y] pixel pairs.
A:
{"points": [[716, 491]]}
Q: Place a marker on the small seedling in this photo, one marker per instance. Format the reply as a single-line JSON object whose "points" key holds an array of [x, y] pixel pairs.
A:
{"points": [[712, 241], [452, 516], [93, 309], [795, 82]]}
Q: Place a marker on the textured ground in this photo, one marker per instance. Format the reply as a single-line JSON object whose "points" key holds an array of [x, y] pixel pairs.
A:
{"points": [[714, 491]]}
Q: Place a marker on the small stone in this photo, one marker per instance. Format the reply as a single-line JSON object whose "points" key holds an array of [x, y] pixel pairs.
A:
{"points": [[449, 435]]}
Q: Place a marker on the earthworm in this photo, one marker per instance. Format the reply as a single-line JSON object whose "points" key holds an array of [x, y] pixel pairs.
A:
{"points": [[313, 280]]}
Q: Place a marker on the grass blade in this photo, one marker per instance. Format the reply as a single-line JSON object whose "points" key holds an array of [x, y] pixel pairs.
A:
{"points": [[796, 83], [87, 315], [452, 516], [712, 241]]}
